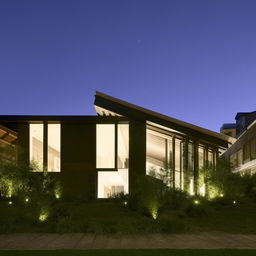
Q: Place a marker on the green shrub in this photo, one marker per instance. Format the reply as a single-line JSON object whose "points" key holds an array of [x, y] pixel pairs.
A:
{"points": [[170, 225], [175, 199]]}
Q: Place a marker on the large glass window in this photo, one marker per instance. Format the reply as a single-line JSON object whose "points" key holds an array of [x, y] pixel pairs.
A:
{"points": [[201, 157], [112, 183], [156, 154], [178, 157], [191, 167], [210, 159], [123, 145], [105, 145], [53, 147], [201, 160], [36, 147]]}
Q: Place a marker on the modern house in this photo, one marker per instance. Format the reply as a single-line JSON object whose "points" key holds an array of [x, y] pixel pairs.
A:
{"points": [[242, 153], [99, 156]]}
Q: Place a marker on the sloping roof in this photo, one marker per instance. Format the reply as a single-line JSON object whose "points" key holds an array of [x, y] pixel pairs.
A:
{"points": [[135, 112]]}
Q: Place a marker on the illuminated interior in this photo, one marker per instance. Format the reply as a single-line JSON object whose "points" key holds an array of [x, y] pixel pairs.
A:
{"points": [[160, 156], [123, 146], [36, 136], [156, 153], [178, 164], [201, 157], [105, 145], [191, 167], [53, 147], [112, 183]]}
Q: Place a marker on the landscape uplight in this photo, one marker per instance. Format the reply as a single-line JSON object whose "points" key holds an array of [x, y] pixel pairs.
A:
{"points": [[43, 214], [196, 202]]}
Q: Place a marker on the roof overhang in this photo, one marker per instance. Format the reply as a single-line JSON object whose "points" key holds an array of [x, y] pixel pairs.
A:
{"points": [[7, 136], [114, 106]]}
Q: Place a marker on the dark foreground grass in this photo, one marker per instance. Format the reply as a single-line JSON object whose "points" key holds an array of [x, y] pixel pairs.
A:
{"points": [[161, 252]]}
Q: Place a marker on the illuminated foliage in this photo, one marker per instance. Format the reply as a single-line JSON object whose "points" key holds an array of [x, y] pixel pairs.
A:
{"points": [[58, 190], [153, 208], [44, 213]]}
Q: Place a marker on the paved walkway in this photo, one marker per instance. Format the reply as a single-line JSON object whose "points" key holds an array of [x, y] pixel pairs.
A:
{"points": [[80, 241]]}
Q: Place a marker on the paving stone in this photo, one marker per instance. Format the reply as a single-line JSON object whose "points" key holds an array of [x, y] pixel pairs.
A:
{"points": [[91, 241], [158, 241], [86, 242], [114, 242], [64, 241], [128, 241], [18, 241]]}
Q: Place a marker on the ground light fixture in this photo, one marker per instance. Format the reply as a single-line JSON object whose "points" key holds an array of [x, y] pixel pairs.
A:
{"points": [[125, 202], [26, 200], [42, 217], [234, 202], [196, 202], [10, 202]]}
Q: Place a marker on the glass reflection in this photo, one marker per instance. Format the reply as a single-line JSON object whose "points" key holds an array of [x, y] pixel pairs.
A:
{"points": [[156, 154], [123, 145], [53, 148], [112, 183], [36, 137], [105, 144]]}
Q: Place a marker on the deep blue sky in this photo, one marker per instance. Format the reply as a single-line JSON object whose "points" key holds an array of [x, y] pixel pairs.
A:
{"points": [[192, 60]]}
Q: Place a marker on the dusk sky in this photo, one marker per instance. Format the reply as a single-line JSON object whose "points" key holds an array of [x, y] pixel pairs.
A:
{"points": [[192, 60]]}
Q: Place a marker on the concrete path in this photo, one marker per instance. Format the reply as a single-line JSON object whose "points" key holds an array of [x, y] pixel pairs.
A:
{"points": [[79, 241]]}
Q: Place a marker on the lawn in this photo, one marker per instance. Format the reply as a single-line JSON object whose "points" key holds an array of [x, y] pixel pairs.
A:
{"points": [[114, 217], [239, 218], [163, 252]]}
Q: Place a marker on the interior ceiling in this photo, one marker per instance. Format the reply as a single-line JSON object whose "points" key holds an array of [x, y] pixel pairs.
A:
{"points": [[7, 136]]}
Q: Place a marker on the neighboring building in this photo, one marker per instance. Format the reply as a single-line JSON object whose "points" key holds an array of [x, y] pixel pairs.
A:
{"points": [[242, 154], [99, 156], [229, 129], [243, 120]]}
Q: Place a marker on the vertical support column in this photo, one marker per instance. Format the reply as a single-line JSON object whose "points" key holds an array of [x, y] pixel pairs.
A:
{"points": [[23, 143], [116, 145], [185, 166], [181, 164], [45, 147], [206, 168], [137, 155], [196, 167], [173, 161], [167, 160], [215, 156], [206, 164]]}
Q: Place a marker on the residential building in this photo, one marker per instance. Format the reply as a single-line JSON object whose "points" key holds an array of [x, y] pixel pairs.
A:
{"points": [[242, 154], [100, 156]]}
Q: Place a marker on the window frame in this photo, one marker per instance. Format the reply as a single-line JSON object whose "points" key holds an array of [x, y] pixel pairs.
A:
{"points": [[45, 145], [115, 168]]}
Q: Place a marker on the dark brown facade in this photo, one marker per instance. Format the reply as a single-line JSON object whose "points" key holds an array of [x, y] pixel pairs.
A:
{"points": [[155, 142]]}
